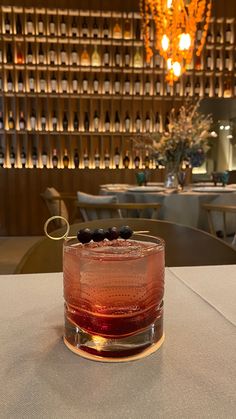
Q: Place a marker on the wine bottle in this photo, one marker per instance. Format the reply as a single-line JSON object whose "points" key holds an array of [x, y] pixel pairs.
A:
{"points": [[218, 60], [209, 37], [147, 86], [42, 82], [106, 57], [0, 83], [74, 83], [29, 54], [197, 87], [1, 57], [96, 121], [74, 28], [9, 82], [95, 84], [18, 25], [63, 55], [107, 160], [85, 84], [127, 57], [105, 29], [106, 85], [157, 122], [41, 54], [86, 121], [19, 54], [207, 87], [34, 158], [43, 121], [29, 25], [117, 57], [52, 55], [65, 122], [96, 59], [1, 121], [136, 160], [217, 86], [117, 158], [85, 60], [40, 25], [147, 122], [53, 83], [76, 122], [127, 28], [117, 122], [117, 30], [127, 122], [167, 122], [117, 85], [74, 56], [76, 158], [95, 29], [138, 123], [2, 157], [126, 160], [107, 122], [31, 82], [147, 160], [44, 159], [158, 85], [97, 160], [64, 83], [138, 30], [209, 60], [228, 34], [12, 157], [21, 121], [54, 159], [7, 24], [137, 85], [86, 159], [84, 29], [188, 87], [127, 86], [33, 120], [23, 157], [66, 159], [9, 54], [137, 58], [52, 26], [219, 37], [11, 122], [227, 61], [63, 26], [54, 121]]}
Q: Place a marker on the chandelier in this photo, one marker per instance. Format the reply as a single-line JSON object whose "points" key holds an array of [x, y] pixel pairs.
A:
{"points": [[176, 23]]}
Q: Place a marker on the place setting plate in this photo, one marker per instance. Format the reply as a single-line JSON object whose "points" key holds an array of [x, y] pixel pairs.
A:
{"points": [[146, 189], [213, 189]]}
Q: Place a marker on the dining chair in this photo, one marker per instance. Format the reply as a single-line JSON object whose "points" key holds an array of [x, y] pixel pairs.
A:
{"points": [[56, 205], [185, 246], [224, 210]]}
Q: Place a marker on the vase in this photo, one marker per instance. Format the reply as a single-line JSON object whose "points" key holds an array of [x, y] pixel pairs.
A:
{"points": [[171, 177]]}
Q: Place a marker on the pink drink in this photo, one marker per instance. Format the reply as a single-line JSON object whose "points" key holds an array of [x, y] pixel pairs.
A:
{"points": [[113, 291]]}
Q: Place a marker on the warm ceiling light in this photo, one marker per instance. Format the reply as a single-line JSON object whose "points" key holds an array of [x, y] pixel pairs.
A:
{"points": [[165, 43]]}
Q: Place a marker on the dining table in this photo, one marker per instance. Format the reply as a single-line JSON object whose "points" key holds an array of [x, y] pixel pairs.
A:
{"points": [[180, 206], [192, 375]]}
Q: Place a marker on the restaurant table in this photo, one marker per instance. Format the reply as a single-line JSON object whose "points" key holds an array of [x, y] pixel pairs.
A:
{"points": [[193, 375], [182, 207]]}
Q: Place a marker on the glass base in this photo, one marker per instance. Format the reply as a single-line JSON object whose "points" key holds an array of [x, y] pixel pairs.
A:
{"points": [[127, 348]]}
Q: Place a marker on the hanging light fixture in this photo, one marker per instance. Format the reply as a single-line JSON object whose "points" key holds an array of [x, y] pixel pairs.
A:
{"points": [[176, 24]]}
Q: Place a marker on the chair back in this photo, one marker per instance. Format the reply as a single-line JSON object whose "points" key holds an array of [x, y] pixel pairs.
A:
{"points": [[91, 206], [185, 246], [55, 205]]}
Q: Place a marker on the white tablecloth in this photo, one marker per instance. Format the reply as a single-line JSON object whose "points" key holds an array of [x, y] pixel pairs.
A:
{"points": [[193, 375]]}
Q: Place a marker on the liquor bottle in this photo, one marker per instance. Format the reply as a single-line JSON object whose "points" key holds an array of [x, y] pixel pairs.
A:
{"points": [[167, 122], [117, 30], [147, 160], [43, 121], [33, 120], [198, 63], [117, 158], [18, 25], [147, 122], [106, 85], [138, 123], [168, 89], [137, 58], [117, 122], [137, 85], [127, 122], [95, 84], [54, 121], [74, 83], [29, 56], [63, 55], [9, 54], [21, 121], [86, 159], [137, 160], [65, 122], [127, 28], [52, 55], [42, 82], [2, 157], [209, 37], [107, 122], [227, 87], [218, 61], [31, 82], [147, 86], [52, 26], [12, 157], [54, 159], [207, 87], [157, 122], [96, 59], [19, 54], [85, 60], [76, 158], [34, 158], [11, 122], [64, 83], [74, 56], [44, 159], [7, 24], [117, 85], [66, 159], [23, 157], [138, 30], [76, 122], [29, 25], [53, 83], [95, 29], [228, 34], [41, 54], [74, 28], [209, 60], [188, 87], [84, 29], [117, 57], [1, 121], [105, 29], [63, 26], [86, 121], [85, 84], [127, 86], [219, 37], [106, 57], [126, 160], [227, 61], [40, 25], [127, 57], [96, 121], [157, 60], [217, 86], [97, 160], [9, 82], [107, 159], [177, 88]]}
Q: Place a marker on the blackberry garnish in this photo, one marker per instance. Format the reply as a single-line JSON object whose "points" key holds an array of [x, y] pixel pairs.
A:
{"points": [[125, 232], [84, 235], [112, 233], [98, 235]]}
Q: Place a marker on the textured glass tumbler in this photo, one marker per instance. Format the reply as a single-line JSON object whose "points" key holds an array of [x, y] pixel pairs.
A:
{"points": [[113, 293]]}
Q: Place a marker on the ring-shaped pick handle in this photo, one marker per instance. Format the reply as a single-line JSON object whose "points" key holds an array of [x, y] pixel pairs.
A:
{"points": [[57, 217]]}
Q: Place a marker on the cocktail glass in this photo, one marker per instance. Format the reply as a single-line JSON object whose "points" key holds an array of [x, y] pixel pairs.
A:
{"points": [[113, 293]]}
